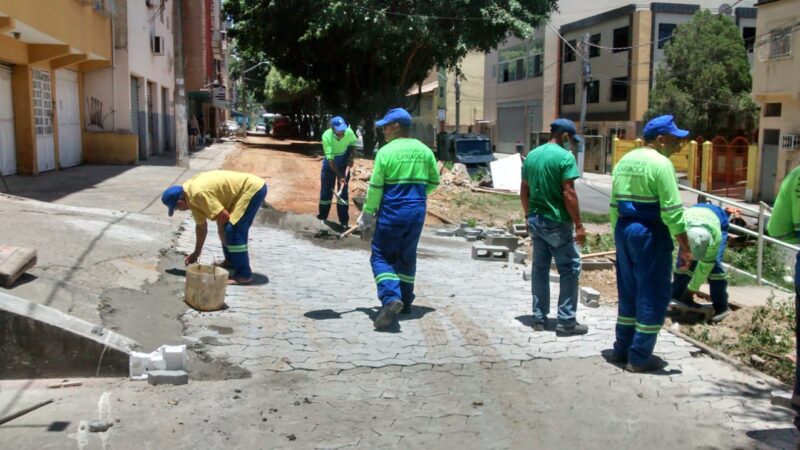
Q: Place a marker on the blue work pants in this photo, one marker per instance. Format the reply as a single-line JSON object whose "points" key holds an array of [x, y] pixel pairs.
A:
{"points": [[644, 263], [236, 235], [394, 260], [328, 186]]}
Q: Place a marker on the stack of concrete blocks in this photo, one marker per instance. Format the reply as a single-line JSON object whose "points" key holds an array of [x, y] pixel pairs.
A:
{"points": [[483, 252], [166, 365], [508, 241]]}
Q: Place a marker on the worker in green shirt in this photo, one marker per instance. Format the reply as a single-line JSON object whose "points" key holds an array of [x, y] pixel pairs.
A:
{"points": [[405, 172], [785, 225], [646, 210], [337, 145], [547, 192]]}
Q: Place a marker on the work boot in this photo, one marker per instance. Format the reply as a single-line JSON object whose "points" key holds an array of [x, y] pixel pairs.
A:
{"points": [[686, 305], [386, 315], [406, 308], [538, 325], [615, 357], [651, 365], [719, 316], [571, 330]]}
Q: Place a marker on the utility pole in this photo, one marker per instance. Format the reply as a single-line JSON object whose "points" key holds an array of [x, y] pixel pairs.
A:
{"points": [[586, 78], [181, 126], [458, 99]]}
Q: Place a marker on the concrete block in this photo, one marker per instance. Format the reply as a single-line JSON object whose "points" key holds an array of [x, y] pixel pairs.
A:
{"points": [[519, 229], [590, 297], [597, 264], [460, 232], [174, 356], [492, 232], [37, 341], [476, 232], [503, 240], [471, 238], [174, 377], [519, 257], [445, 232], [14, 261], [489, 253], [526, 275]]}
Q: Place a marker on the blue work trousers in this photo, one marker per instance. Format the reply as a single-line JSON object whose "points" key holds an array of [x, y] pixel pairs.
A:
{"points": [[717, 284], [551, 240], [796, 394], [328, 186], [236, 235], [644, 263], [394, 260]]}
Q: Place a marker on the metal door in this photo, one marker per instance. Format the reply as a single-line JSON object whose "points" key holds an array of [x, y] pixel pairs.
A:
{"points": [[510, 128], [769, 164], [43, 116], [8, 146], [69, 118]]}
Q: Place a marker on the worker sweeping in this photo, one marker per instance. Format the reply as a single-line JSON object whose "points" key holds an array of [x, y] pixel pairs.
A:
{"points": [[337, 145], [229, 198], [707, 231], [646, 210], [785, 225], [405, 173]]}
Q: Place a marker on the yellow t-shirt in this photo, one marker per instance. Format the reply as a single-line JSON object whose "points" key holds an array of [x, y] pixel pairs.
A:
{"points": [[208, 193]]}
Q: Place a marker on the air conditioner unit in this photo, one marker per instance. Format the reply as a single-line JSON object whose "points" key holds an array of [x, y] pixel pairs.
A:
{"points": [[790, 142], [158, 45]]}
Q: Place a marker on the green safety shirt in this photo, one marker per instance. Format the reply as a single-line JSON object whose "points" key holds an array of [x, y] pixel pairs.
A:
{"points": [[785, 221], [698, 216], [644, 187], [405, 172], [334, 146], [545, 169]]}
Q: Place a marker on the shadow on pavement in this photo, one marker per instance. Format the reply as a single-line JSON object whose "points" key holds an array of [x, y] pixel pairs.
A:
{"points": [[258, 278], [527, 320], [24, 279], [777, 438], [417, 312]]}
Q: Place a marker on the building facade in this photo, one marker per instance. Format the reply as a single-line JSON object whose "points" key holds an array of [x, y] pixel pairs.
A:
{"points": [[130, 111], [205, 52], [44, 61], [523, 85], [776, 88]]}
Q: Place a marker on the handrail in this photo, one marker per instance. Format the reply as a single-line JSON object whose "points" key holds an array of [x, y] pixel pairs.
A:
{"points": [[720, 199]]}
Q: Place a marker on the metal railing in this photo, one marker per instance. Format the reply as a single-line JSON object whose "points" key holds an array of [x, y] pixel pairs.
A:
{"points": [[762, 213]]}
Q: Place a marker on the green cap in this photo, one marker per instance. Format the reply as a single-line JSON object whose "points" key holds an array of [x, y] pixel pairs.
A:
{"points": [[699, 240]]}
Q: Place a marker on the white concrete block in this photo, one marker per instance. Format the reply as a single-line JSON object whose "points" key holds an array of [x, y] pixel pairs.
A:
{"points": [[174, 356]]}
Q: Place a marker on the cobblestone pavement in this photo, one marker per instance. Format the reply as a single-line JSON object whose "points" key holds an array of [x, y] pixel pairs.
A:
{"points": [[468, 338]]}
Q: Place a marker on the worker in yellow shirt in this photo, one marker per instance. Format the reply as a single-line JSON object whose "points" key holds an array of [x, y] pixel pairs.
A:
{"points": [[231, 199]]}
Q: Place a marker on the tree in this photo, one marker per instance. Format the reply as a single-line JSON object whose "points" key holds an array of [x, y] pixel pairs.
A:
{"points": [[289, 94], [705, 79], [364, 55]]}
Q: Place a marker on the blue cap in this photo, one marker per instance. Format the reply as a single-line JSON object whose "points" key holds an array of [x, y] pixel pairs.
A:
{"points": [[398, 115], [170, 198], [565, 126], [661, 126], [338, 124]]}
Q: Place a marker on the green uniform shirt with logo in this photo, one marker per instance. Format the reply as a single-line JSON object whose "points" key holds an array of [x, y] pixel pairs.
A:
{"points": [[333, 146], [546, 168], [401, 161], [785, 221], [646, 176]]}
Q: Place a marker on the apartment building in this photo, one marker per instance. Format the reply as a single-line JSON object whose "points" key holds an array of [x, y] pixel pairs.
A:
{"points": [[44, 60], [776, 88]]}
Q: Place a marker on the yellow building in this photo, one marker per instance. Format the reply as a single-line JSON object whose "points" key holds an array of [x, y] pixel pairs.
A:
{"points": [[776, 87], [43, 58], [435, 100]]}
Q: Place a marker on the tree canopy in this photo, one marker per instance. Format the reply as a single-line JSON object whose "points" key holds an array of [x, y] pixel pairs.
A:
{"points": [[705, 79], [364, 55]]}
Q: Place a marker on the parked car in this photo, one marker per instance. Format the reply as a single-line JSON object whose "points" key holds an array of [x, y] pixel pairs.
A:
{"points": [[261, 128], [282, 128]]}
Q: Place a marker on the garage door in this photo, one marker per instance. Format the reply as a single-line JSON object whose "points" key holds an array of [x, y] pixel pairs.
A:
{"points": [[510, 128], [69, 118], [8, 150]]}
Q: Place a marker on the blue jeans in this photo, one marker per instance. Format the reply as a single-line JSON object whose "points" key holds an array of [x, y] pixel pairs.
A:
{"points": [[553, 239]]}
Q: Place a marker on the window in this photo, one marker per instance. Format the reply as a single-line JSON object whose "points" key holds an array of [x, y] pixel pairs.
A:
{"points": [[749, 37], [665, 31], [772, 109], [619, 89], [593, 92], [593, 50], [568, 94], [622, 39], [520, 62], [780, 43], [569, 55]]}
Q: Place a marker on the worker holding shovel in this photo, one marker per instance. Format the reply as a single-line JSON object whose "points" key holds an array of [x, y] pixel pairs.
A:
{"points": [[337, 145], [405, 173], [229, 198]]}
